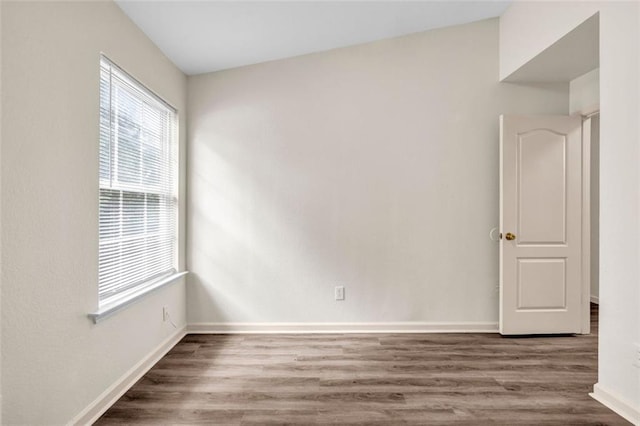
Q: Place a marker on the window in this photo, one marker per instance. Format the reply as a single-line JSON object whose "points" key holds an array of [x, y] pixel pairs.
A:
{"points": [[138, 186]]}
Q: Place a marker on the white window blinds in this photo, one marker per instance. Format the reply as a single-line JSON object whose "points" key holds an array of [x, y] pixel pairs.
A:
{"points": [[138, 185]]}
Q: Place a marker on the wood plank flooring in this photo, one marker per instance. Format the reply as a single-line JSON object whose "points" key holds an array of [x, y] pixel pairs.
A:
{"points": [[370, 379]]}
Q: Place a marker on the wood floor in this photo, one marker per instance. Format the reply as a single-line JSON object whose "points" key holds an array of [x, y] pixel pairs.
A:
{"points": [[370, 379]]}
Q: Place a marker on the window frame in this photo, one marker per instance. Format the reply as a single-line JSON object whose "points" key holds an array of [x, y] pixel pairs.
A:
{"points": [[122, 295]]}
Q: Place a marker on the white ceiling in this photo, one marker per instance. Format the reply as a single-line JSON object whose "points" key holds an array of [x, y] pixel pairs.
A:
{"points": [[205, 36]]}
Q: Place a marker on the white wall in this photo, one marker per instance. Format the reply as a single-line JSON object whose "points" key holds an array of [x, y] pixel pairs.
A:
{"points": [[584, 93], [374, 167], [55, 361], [527, 28], [521, 34]]}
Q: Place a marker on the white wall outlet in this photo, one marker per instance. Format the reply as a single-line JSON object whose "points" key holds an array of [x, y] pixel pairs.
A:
{"points": [[339, 292], [165, 314]]}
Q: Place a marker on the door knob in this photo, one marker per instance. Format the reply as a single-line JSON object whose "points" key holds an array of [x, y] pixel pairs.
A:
{"points": [[510, 236]]}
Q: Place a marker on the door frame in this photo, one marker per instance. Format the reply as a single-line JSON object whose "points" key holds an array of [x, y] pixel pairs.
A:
{"points": [[586, 224], [587, 113]]}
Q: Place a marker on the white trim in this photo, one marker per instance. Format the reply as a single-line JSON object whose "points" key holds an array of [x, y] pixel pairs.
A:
{"points": [[595, 299], [122, 302], [616, 403], [586, 225], [101, 404], [340, 327]]}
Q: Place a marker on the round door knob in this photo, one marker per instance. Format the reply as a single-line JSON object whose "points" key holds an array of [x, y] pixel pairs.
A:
{"points": [[510, 236]]}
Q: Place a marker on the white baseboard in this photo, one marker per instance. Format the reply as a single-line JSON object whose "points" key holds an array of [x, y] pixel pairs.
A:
{"points": [[617, 404], [97, 408], [595, 299], [340, 327]]}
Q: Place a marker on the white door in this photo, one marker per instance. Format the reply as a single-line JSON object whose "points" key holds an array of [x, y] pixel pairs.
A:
{"points": [[541, 224]]}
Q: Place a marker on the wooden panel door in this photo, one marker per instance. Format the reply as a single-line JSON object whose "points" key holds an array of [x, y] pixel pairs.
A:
{"points": [[541, 224]]}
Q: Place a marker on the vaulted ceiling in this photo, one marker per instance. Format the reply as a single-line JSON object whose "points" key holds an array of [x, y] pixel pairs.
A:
{"points": [[205, 36]]}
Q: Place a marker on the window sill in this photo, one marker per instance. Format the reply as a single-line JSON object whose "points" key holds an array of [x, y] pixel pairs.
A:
{"points": [[113, 307]]}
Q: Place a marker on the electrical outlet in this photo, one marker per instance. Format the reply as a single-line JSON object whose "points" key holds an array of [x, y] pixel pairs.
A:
{"points": [[636, 355], [339, 292], [165, 314]]}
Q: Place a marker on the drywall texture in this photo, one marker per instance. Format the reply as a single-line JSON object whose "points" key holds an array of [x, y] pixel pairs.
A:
{"points": [[619, 201], [584, 93], [374, 167], [527, 28], [55, 360]]}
